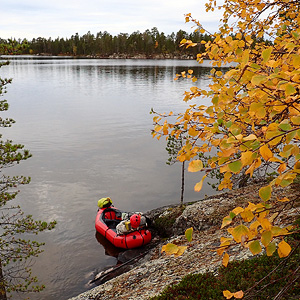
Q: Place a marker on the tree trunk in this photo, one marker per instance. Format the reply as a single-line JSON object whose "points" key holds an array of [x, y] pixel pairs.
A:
{"points": [[182, 183], [2, 285]]}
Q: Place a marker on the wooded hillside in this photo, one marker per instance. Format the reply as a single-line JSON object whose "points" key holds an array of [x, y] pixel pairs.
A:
{"points": [[103, 44]]}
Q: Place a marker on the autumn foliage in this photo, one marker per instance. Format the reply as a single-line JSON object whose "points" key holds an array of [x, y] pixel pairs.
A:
{"points": [[253, 120]]}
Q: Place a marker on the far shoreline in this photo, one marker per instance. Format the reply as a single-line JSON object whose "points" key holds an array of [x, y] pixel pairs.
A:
{"points": [[98, 56]]}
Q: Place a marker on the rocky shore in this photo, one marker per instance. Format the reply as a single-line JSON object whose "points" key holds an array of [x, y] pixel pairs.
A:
{"points": [[141, 56], [149, 275]]}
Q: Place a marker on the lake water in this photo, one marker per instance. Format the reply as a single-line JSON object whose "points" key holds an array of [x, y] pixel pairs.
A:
{"points": [[87, 124]]}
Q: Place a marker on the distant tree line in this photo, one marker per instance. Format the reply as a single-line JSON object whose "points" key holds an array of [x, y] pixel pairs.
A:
{"points": [[149, 43]]}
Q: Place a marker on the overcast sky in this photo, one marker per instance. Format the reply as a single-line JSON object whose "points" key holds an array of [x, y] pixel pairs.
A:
{"points": [[63, 18]]}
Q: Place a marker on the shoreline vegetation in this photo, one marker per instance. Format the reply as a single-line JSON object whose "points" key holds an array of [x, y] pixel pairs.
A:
{"points": [[145, 45]]}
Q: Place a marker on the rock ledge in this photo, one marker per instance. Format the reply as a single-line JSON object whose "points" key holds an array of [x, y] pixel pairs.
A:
{"points": [[155, 271]]}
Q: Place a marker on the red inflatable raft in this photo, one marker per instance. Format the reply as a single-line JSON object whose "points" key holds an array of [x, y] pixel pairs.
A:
{"points": [[106, 222]]}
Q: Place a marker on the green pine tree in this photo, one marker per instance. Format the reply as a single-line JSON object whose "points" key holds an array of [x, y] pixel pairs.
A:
{"points": [[15, 250]]}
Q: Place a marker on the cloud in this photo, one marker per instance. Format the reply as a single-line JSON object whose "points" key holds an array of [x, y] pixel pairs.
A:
{"points": [[35, 18]]}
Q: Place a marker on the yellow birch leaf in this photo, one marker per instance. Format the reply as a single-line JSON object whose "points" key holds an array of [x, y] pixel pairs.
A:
{"points": [[251, 235], [246, 158], [295, 120], [220, 251], [224, 169], [266, 54], [165, 129], [239, 295], [250, 137], [239, 231], [193, 132], [252, 206], [257, 79], [195, 90], [245, 57], [273, 217], [290, 89], [235, 166], [250, 170], [226, 221], [191, 45], [272, 63], [293, 111], [281, 168], [266, 237], [255, 247], [227, 175], [261, 208], [284, 249], [270, 134], [230, 74], [285, 179], [199, 185], [261, 112], [225, 260], [277, 231], [284, 199], [170, 248], [195, 165], [237, 210], [273, 127], [181, 157], [297, 165], [285, 126], [254, 225], [163, 248], [265, 223], [227, 294], [275, 159], [257, 163], [225, 241], [265, 192], [247, 215], [270, 249], [296, 61], [158, 128], [230, 230], [180, 251], [189, 234], [265, 152], [228, 152]]}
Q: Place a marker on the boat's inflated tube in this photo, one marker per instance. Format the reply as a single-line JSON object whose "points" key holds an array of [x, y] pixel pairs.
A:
{"points": [[106, 221]]}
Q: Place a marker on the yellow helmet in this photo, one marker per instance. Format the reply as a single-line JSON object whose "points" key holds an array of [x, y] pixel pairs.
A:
{"points": [[104, 202]]}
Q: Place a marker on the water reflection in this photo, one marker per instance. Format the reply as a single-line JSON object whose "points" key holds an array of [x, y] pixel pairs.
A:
{"points": [[88, 125], [110, 249]]}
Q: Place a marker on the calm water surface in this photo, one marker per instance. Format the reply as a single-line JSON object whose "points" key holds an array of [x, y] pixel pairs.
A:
{"points": [[87, 124]]}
